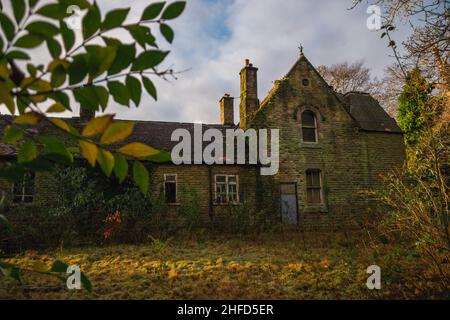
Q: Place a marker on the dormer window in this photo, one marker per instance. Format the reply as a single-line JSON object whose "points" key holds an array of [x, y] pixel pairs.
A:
{"points": [[309, 127]]}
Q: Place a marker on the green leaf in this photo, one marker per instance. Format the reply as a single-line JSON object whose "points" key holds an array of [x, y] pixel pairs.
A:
{"points": [[85, 282], [152, 11], [99, 59], [32, 3], [161, 157], [119, 92], [141, 177], [150, 87], [17, 55], [87, 98], [68, 36], [18, 9], [59, 266], [102, 96], [54, 48], [139, 33], [125, 54], [12, 135], [167, 32], [106, 161], [27, 152], [32, 70], [117, 131], [120, 167], [29, 41], [78, 69], [61, 97], [135, 89], [58, 76], [43, 28], [91, 21], [149, 59], [7, 26], [173, 10], [115, 18], [54, 11], [55, 150]]}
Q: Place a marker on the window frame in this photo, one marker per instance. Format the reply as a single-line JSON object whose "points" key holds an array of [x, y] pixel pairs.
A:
{"points": [[320, 187], [315, 127], [227, 184], [28, 177], [176, 187]]}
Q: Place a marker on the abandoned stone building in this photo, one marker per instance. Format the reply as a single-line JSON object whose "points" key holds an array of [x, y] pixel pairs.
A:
{"points": [[332, 148]]}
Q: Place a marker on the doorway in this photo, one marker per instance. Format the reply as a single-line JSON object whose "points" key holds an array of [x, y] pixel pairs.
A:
{"points": [[289, 209]]}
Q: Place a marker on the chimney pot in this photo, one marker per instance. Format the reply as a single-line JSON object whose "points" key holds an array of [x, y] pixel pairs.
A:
{"points": [[247, 62]]}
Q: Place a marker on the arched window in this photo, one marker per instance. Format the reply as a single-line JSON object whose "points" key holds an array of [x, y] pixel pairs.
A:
{"points": [[309, 127]]}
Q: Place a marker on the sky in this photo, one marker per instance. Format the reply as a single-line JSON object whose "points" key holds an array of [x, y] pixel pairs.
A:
{"points": [[213, 37]]}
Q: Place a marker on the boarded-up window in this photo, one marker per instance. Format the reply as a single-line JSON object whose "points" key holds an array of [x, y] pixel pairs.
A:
{"points": [[170, 188], [227, 189], [23, 190], [313, 186], [309, 127]]}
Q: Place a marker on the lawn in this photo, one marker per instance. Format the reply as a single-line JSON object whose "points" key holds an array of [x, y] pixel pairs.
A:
{"points": [[292, 266]]}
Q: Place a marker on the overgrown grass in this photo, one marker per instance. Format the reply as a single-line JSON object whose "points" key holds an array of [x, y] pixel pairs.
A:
{"points": [[290, 266]]}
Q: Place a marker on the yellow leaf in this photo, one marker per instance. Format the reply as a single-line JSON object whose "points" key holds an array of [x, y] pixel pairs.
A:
{"points": [[138, 150], [56, 107], [117, 131], [34, 84], [64, 125], [88, 151], [30, 118], [4, 71], [6, 97], [97, 125]]}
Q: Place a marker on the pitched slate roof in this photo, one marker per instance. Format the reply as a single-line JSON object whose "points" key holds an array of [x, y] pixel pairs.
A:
{"points": [[368, 113]]}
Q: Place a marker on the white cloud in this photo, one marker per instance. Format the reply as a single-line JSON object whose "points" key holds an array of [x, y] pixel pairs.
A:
{"points": [[213, 37]]}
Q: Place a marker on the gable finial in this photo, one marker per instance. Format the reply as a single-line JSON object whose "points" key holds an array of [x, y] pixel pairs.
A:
{"points": [[301, 49]]}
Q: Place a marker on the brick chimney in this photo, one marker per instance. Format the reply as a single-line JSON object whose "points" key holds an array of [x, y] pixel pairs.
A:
{"points": [[249, 93], [227, 110]]}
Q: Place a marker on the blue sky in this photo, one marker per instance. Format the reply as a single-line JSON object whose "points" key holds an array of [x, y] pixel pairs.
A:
{"points": [[213, 37]]}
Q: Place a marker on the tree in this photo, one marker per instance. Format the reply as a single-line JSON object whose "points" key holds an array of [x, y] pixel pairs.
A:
{"points": [[345, 77], [411, 117], [90, 72]]}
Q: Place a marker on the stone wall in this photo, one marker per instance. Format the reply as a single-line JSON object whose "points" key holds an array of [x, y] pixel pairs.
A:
{"points": [[349, 159]]}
